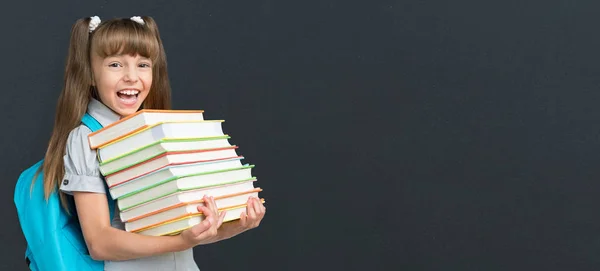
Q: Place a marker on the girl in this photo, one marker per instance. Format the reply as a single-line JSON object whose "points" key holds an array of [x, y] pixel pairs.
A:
{"points": [[113, 69]]}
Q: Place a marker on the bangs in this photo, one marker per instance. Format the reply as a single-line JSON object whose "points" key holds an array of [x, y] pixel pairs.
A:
{"points": [[124, 36]]}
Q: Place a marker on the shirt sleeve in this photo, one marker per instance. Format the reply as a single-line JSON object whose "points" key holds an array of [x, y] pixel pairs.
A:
{"points": [[81, 165]]}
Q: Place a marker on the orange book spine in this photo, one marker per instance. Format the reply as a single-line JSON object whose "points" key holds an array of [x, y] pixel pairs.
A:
{"points": [[192, 202], [186, 216]]}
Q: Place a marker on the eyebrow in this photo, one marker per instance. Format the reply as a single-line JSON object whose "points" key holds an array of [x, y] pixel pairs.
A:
{"points": [[113, 56], [122, 55]]}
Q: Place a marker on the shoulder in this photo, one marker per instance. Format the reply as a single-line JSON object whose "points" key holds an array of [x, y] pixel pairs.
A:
{"points": [[81, 164], [78, 138], [80, 131], [78, 154]]}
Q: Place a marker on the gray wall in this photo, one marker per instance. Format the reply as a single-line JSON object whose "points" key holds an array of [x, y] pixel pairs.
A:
{"points": [[388, 135]]}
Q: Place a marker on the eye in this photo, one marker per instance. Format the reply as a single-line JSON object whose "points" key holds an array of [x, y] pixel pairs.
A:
{"points": [[145, 65], [114, 65]]}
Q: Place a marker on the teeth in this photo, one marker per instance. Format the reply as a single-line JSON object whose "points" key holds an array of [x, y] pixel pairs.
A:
{"points": [[129, 92]]}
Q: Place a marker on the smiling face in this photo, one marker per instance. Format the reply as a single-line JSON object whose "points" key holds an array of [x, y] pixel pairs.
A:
{"points": [[123, 81]]}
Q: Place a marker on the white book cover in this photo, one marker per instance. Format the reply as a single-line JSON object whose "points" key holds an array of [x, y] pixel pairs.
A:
{"points": [[194, 182], [140, 120], [160, 147], [171, 159], [182, 224], [179, 198], [188, 208], [118, 190], [165, 130]]}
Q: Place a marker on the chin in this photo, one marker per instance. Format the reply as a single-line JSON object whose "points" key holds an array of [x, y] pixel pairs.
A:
{"points": [[125, 108], [127, 112]]}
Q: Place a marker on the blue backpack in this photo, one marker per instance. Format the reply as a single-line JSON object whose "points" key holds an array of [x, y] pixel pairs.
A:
{"points": [[54, 238]]}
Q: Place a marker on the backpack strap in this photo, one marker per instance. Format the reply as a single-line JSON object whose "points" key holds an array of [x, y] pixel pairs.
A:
{"points": [[94, 125], [91, 122]]}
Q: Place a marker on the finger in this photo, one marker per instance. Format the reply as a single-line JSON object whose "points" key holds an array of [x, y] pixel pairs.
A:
{"points": [[258, 211], [208, 214], [201, 227], [250, 209], [261, 210], [214, 203], [243, 219], [210, 203], [256, 206], [216, 211], [264, 208], [205, 210], [221, 218]]}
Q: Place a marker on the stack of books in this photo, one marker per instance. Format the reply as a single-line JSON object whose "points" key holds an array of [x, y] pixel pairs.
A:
{"points": [[158, 165]]}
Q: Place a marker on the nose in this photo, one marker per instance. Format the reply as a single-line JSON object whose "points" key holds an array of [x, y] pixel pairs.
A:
{"points": [[131, 74]]}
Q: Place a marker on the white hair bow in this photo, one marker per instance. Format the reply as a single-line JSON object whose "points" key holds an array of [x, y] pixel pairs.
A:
{"points": [[137, 19], [94, 22]]}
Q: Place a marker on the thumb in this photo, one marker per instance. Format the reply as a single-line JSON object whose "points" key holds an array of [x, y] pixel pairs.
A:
{"points": [[200, 227], [243, 219]]}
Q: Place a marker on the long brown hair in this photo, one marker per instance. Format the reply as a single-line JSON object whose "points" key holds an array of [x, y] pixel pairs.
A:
{"points": [[116, 36]]}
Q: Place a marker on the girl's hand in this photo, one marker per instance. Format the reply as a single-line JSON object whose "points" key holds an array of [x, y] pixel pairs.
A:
{"points": [[206, 231], [255, 211]]}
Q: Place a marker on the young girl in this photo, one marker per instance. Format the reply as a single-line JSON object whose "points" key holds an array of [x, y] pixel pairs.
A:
{"points": [[113, 69]]}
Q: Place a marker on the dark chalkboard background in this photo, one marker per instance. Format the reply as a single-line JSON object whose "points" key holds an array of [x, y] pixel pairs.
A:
{"points": [[388, 135]]}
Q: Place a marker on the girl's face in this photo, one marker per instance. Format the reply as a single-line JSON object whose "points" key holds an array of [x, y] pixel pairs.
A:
{"points": [[122, 81]]}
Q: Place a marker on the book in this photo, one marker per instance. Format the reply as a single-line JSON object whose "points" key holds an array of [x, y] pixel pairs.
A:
{"points": [[168, 173], [158, 165], [171, 159], [160, 147], [178, 225], [160, 131], [184, 183], [133, 212], [188, 208], [140, 120]]}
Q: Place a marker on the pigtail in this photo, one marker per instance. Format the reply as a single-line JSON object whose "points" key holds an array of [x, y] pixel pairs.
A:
{"points": [[109, 37], [159, 96], [78, 74], [72, 105]]}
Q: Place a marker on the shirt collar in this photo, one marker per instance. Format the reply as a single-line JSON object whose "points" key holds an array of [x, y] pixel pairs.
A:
{"points": [[102, 113]]}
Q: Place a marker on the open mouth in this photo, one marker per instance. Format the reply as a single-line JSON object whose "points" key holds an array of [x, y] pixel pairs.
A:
{"points": [[128, 96]]}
